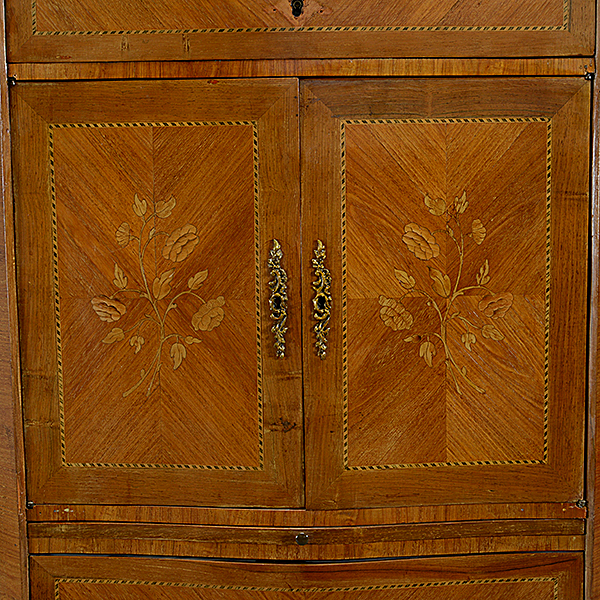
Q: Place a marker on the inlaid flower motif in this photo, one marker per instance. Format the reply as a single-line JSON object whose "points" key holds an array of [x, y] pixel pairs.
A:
{"points": [[108, 309], [180, 243], [478, 231], [209, 315], [496, 306], [123, 234], [394, 315], [420, 241]]}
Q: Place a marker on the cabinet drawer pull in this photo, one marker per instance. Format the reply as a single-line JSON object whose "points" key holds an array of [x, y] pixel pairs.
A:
{"points": [[322, 300], [278, 299], [302, 539]]}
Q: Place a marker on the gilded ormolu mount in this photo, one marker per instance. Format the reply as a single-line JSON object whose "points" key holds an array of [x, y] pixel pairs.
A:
{"points": [[423, 244], [178, 246], [278, 300]]}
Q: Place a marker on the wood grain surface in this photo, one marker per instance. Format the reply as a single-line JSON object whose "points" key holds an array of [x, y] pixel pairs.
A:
{"points": [[177, 413], [360, 67], [525, 576], [48, 31], [398, 468], [592, 571], [14, 583], [331, 543], [302, 518]]}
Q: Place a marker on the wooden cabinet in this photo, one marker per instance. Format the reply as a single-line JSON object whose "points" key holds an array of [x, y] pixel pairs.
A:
{"points": [[329, 304], [149, 368]]}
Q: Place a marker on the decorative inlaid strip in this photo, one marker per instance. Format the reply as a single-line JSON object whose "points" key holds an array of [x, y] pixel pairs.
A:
{"points": [[178, 246], [394, 314], [309, 29], [399, 586]]}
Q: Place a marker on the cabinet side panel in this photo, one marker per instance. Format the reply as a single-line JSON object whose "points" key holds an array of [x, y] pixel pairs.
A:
{"points": [[13, 545]]}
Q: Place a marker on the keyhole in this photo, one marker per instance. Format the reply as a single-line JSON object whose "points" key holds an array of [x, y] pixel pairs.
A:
{"points": [[297, 6], [276, 303], [321, 303]]}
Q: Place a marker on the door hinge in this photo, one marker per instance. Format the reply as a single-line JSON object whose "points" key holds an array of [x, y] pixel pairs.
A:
{"points": [[581, 503]]}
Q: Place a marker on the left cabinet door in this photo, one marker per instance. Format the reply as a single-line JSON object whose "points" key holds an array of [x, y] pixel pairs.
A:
{"points": [[145, 219]]}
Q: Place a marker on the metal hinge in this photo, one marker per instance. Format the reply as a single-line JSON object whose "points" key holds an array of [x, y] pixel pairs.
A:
{"points": [[12, 80], [581, 503]]}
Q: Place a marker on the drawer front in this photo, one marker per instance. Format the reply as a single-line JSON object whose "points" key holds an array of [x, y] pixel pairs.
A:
{"points": [[500, 577]]}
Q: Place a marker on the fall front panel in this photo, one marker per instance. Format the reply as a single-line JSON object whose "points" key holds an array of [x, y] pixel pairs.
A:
{"points": [[66, 30], [158, 269], [456, 252]]}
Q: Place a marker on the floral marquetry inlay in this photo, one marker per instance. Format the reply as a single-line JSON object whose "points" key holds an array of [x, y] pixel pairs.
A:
{"points": [[446, 291], [177, 247], [423, 243]]}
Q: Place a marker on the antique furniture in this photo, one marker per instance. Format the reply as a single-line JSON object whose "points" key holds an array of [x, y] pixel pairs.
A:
{"points": [[292, 288]]}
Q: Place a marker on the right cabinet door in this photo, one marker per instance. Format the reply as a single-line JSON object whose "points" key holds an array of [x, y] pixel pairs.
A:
{"points": [[453, 216]]}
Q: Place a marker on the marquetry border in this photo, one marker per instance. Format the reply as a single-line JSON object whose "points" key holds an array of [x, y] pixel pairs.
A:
{"points": [[316, 29], [427, 121], [425, 584], [256, 173]]}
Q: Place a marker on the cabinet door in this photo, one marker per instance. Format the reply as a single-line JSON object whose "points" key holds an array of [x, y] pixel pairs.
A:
{"points": [[454, 219], [136, 30], [145, 218], [551, 576]]}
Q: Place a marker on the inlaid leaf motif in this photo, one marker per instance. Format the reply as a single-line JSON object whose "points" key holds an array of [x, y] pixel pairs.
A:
{"points": [[123, 234], [164, 209], [483, 277], [192, 340], [436, 207], [196, 281], [139, 206], [427, 352], [120, 280], [136, 341], [161, 285], [468, 339], [478, 232], [178, 353], [461, 204], [441, 283], [490, 332], [115, 335], [406, 281]]}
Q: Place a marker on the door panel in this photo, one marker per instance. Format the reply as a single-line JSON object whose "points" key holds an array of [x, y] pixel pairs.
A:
{"points": [[457, 218], [66, 30], [156, 377], [522, 576]]}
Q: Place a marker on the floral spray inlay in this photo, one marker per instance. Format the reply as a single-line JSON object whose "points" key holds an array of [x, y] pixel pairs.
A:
{"points": [[422, 243], [178, 246]]}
